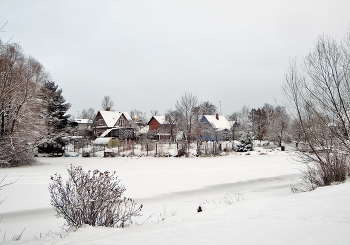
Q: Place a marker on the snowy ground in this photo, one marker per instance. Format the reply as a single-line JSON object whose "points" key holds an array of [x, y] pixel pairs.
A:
{"points": [[246, 199]]}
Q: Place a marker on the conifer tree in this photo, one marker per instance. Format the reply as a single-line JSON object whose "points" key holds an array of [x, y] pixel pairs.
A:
{"points": [[57, 121]]}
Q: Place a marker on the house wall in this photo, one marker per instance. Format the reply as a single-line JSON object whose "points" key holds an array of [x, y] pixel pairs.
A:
{"points": [[98, 128], [84, 126], [97, 120], [153, 124], [121, 122]]}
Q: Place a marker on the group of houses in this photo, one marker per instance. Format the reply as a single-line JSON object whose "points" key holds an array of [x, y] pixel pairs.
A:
{"points": [[113, 128]]}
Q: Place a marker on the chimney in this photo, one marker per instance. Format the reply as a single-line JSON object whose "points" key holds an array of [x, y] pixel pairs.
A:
{"points": [[217, 116]]}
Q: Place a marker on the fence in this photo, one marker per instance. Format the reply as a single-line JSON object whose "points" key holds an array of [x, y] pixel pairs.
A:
{"points": [[162, 149]]}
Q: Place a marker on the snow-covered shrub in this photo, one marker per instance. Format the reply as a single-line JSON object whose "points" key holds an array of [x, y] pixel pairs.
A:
{"points": [[330, 168], [86, 154], [14, 155], [244, 146], [93, 198]]}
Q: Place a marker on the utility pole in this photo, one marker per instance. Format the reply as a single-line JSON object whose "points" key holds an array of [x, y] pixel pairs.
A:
{"points": [[220, 107]]}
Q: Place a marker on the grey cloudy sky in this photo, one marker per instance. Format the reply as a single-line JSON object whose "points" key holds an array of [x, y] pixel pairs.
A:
{"points": [[146, 54]]}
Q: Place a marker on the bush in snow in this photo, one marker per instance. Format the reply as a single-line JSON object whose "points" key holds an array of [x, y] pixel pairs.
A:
{"points": [[245, 145], [93, 198], [317, 88], [14, 154], [331, 167]]}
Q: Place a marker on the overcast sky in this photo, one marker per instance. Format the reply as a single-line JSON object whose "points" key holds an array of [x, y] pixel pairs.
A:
{"points": [[146, 54]]}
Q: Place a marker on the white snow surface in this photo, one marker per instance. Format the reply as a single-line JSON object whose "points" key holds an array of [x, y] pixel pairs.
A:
{"points": [[246, 199]]}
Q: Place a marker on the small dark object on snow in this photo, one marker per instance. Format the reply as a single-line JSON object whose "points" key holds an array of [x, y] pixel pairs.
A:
{"points": [[86, 154], [180, 153], [199, 209], [109, 154]]}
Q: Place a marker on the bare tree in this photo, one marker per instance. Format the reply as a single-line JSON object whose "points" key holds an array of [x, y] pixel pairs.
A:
{"points": [[270, 123], [278, 127], [318, 91], [107, 103], [138, 116], [185, 107], [233, 120], [154, 113], [88, 114], [22, 125], [242, 121], [244, 115], [172, 117]]}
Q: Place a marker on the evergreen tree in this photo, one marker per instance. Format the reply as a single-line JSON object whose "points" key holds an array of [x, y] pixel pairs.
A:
{"points": [[57, 121]]}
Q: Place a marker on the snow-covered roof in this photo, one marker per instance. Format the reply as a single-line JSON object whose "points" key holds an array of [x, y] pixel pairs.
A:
{"points": [[83, 121], [160, 119], [127, 115], [106, 132], [102, 141], [220, 124], [111, 117], [72, 137]]}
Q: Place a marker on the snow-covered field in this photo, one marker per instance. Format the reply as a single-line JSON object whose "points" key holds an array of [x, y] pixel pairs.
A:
{"points": [[246, 199]]}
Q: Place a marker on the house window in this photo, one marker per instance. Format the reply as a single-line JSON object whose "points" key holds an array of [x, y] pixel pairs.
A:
{"points": [[100, 122], [121, 122]]}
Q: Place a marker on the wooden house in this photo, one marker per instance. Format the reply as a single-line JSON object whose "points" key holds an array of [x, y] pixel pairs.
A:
{"points": [[159, 128], [113, 124], [216, 127]]}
